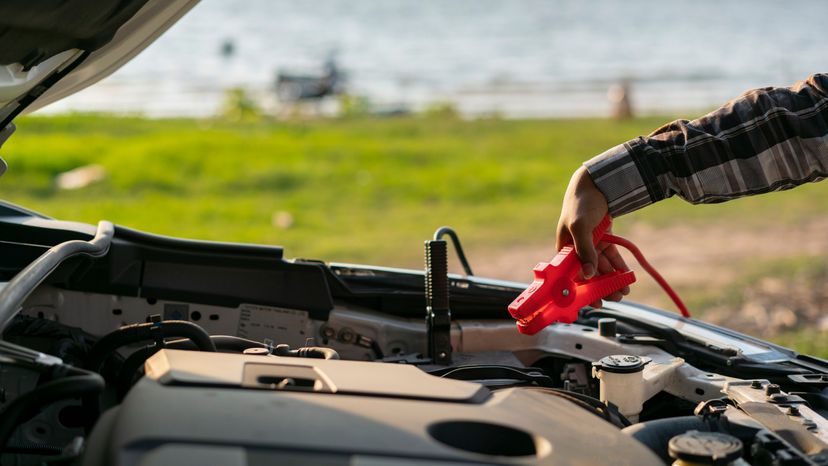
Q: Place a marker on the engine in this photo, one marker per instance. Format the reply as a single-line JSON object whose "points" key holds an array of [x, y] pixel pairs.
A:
{"points": [[165, 351]]}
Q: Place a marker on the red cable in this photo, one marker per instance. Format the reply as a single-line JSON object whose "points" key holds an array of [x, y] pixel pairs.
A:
{"points": [[649, 268]]}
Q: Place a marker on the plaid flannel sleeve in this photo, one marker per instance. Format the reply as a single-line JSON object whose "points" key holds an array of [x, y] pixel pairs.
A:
{"points": [[768, 139]]}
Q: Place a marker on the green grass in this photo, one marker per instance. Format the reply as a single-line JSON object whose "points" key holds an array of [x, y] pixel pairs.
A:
{"points": [[810, 342], [364, 190], [802, 276], [809, 271], [360, 190]]}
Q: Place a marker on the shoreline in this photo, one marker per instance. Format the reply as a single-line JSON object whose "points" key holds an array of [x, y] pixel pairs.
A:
{"points": [[507, 101]]}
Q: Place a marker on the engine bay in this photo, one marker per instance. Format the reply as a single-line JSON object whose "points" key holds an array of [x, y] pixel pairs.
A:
{"points": [[136, 349]]}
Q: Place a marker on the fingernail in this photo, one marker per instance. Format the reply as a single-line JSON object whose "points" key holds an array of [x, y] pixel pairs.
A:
{"points": [[589, 270]]}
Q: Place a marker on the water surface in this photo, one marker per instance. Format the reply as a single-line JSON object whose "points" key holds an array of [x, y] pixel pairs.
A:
{"points": [[518, 58]]}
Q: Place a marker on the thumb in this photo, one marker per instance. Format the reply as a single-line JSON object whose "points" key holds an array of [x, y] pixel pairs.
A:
{"points": [[582, 239]]}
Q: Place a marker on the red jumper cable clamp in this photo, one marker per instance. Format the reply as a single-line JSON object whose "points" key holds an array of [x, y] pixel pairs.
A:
{"points": [[558, 293]]}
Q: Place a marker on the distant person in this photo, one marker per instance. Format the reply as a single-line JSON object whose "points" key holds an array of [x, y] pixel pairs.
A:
{"points": [[768, 139], [619, 97], [228, 48]]}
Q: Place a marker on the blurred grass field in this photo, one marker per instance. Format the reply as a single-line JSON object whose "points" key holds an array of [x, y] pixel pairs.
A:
{"points": [[349, 190], [358, 190]]}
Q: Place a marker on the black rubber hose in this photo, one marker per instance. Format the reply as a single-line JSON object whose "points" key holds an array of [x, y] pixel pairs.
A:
{"points": [[457, 247], [314, 352], [317, 352], [110, 342], [27, 405], [130, 367], [483, 372], [224, 343], [32, 449], [186, 329], [137, 333], [593, 405]]}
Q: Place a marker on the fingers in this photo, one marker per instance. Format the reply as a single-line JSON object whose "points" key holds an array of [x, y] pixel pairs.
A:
{"points": [[610, 260], [604, 265], [617, 296], [582, 210], [582, 239], [563, 237], [616, 261]]}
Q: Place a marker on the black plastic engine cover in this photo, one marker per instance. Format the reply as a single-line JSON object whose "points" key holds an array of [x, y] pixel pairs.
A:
{"points": [[200, 408]]}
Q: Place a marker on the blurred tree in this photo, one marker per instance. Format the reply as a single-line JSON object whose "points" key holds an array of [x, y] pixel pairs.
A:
{"points": [[239, 106]]}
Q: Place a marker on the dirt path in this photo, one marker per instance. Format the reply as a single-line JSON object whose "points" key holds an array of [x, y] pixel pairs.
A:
{"points": [[686, 256]]}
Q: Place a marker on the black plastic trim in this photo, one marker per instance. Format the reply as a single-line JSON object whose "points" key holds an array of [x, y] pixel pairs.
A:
{"points": [[192, 245], [164, 268]]}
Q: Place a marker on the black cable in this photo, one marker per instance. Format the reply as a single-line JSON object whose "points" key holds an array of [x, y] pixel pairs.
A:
{"points": [[22, 408], [455, 240], [147, 332], [224, 343], [183, 328], [589, 403], [482, 372], [131, 365], [32, 449], [314, 352]]}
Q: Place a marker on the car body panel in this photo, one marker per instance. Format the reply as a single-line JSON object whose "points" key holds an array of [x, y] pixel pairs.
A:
{"points": [[25, 89]]}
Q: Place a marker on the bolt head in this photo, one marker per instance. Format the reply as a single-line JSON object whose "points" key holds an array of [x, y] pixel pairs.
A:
{"points": [[565, 292]]}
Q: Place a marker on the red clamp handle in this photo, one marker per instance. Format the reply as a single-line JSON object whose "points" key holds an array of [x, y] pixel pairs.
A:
{"points": [[556, 294]]}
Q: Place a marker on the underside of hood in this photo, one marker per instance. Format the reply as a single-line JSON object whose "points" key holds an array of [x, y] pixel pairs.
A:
{"points": [[31, 32], [50, 49]]}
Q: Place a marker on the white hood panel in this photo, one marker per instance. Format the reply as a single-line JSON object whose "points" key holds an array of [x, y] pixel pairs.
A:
{"points": [[155, 17], [15, 82]]}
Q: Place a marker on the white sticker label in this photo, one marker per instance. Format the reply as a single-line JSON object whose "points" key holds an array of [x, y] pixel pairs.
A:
{"points": [[274, 325]]}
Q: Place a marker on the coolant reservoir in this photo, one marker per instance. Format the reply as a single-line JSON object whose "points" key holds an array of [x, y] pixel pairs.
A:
{"points": [[627, 380], [622, 382], [696, 448]]}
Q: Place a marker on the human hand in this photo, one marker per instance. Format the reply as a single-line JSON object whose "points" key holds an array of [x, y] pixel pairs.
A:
{"points": [[584, 206]]}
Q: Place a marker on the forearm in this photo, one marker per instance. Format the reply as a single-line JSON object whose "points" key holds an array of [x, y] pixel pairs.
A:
{"points": [[766, 140]]}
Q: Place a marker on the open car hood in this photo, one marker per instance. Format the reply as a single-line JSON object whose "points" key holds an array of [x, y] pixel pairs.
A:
{"points": [[49, 50], [367, 382]]}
